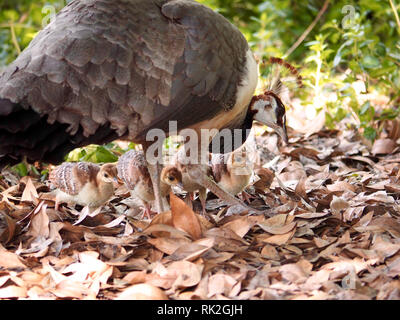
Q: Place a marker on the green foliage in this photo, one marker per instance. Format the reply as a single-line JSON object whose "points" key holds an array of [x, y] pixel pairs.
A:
{"points": [[24, 169], [20, 20], [95, 153]]}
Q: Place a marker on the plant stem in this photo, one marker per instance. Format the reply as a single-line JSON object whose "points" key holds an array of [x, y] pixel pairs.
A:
{"points": [[395, 14], [308, 30], [14, 38]]}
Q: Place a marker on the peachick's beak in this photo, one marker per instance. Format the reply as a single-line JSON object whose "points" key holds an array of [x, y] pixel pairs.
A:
{"points": [[115, 183], [180, 185]]}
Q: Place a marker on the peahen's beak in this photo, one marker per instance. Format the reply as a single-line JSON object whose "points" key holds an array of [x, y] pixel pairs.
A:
{"points": [[282, 131]]}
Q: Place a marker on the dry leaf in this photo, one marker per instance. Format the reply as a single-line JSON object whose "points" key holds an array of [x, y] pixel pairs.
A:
{"points": [[40, 222], [278, 229], [280, 239], [10, 260], [242, 225], [341, 186], [8, 232], [338, 204], [70, 289], [383, 146], [30, 194], [142, 292], [168, 245], [163, 230], [269, 252], [12, 292], [184, 218], [192, 251], [220, 284]]}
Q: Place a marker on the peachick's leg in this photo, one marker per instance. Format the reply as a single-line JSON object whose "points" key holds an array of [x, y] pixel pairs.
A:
{"points": [[146, 211], [197, 174], [57, 205], [155, 173], [203, 197]]}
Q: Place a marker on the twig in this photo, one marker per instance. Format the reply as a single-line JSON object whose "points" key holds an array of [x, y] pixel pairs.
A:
{"points": [[308, 30], [14, 38], [17, 25], [395, 14]]}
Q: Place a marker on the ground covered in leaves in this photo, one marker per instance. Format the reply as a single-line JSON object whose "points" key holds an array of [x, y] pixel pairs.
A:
{"points": [[334, 233]]}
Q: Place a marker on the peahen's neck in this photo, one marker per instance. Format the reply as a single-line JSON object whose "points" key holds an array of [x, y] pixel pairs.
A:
{"points": [[234, 136]]}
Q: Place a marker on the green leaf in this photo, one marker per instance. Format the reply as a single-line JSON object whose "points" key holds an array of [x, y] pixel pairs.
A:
{"points": [[370, 133], [382, 71], [370, 62], [389, 114], [20, 169], [364, 108], [103, 155]]}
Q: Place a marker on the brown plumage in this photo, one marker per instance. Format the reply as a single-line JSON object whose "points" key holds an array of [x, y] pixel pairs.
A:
{"points": [[232, 171], [110, 68], [178, 176], [105, 69], [132, 170], [83, 183]]}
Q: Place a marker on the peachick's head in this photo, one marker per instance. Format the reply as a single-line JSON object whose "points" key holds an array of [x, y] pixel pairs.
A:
{"points": [[108, 174], [268, 109], [239, 162], [171, 176]]}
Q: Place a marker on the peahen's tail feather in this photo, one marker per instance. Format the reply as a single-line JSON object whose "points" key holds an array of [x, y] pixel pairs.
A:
{"points": [[25, 133]]}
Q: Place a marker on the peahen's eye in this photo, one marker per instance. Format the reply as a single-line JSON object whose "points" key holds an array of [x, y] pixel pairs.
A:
{"points": [[171, 179]]}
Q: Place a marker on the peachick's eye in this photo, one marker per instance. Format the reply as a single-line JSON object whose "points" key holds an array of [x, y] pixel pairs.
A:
{"points": [[171, 178]]}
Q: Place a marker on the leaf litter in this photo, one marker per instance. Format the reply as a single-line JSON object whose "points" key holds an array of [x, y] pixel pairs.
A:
{"points": [[334, 233]]}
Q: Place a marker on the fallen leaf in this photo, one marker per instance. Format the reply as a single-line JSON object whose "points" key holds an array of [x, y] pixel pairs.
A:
{"points": [[82, 215], [12, 292], [142, 291], [394, 268], [163, 230], [188, 274], [280, 239], [269, 252], [338, 204], [168, 245], [278, 229], [220, 284], [312, 215], [242, 225], [115, 222], [70, 289], [39, 226], [296, 272], [30, 194], [341, 186], [8, 232], [184, 218], [383, 146], [10, 260], [192, 251], [301, 189]]}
